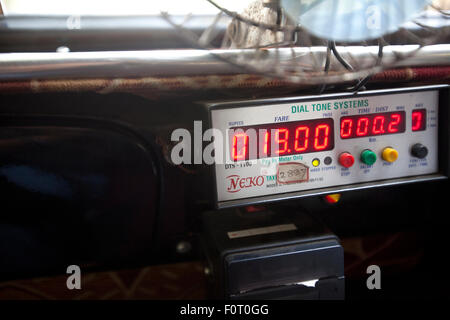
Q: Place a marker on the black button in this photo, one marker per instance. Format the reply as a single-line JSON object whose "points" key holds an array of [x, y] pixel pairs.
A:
{"points": [[327, 160], [419, 151]]}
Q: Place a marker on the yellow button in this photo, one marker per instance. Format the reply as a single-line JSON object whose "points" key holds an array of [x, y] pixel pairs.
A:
{"points": [[389, 154], [315, 162]]}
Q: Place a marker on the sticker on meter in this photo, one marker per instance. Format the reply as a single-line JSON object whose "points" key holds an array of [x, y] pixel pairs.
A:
{"points": [[292, 172]]}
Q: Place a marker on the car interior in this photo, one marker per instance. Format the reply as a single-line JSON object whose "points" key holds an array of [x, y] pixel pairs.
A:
{"points": [[224, 150]]}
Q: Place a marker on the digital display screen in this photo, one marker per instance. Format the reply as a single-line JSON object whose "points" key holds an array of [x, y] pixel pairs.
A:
{"points": [[419, 120], [281, 139], [374, 124]]}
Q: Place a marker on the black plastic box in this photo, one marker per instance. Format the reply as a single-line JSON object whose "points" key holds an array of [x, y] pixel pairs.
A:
{"points": [[265, 254]]}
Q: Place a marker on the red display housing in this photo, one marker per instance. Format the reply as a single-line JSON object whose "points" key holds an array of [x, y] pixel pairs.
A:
{"points": [[374, 124], [281, 139]]}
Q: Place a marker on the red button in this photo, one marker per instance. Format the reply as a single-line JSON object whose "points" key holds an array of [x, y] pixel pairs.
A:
{"points": [[346, 159]]}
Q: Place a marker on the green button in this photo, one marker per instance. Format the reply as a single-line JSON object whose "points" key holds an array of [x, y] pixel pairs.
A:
{"points": [[368, 157]]}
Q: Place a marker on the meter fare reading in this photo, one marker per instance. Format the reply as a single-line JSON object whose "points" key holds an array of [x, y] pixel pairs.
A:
{"points": [[281, 139], [290, 138]]}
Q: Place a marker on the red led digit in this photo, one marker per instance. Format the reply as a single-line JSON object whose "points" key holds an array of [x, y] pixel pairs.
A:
{"points": [[362, 127], [325, 128], [416, 120], [378, 125], [346, 128], [239, 150], [419, 120], [266, 143], [302, 131], [393, 125], [283, 141]]}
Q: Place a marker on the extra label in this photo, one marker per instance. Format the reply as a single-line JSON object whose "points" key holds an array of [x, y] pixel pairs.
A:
{"points": [[292, 172]]}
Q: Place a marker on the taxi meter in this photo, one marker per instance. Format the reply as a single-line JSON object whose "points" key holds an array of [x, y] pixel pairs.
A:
{"points": [[292, 147]]}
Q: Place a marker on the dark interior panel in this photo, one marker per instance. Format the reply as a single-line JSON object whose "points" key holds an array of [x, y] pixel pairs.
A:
{"points": [[73, 195]]}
